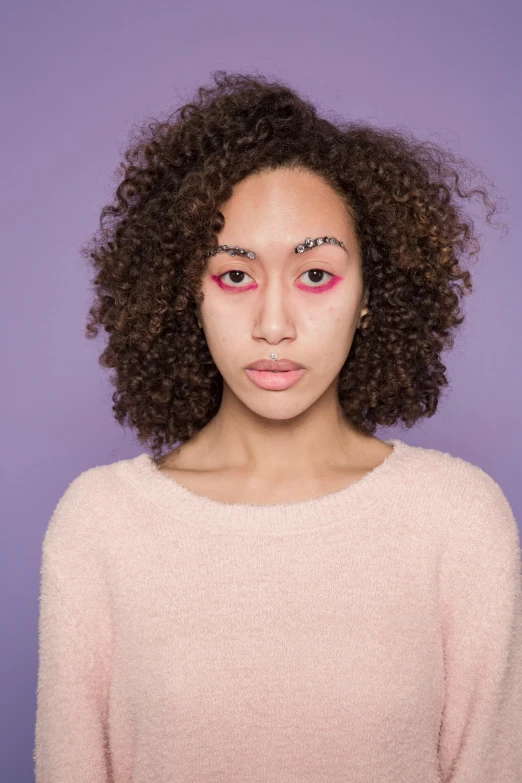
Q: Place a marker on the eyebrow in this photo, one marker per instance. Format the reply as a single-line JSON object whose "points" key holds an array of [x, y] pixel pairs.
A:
{"points": [[308, 244]]}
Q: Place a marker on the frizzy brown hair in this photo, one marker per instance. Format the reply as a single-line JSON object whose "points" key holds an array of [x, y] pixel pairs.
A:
{"points": [[153, 240]]}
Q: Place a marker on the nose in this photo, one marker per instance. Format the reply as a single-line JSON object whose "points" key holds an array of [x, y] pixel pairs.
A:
{"points": [[274, 315]]}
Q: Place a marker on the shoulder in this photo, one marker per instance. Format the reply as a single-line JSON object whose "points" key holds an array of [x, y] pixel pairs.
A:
{"points": [[89, 500], [454, 476], [474, 514], [97, 482]]}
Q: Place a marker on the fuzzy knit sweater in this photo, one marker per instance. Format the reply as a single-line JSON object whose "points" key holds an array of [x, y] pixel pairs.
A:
{"points": [[370, 635]]}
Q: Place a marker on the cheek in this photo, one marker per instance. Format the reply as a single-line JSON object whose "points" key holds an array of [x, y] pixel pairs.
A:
{"points": [[329, 321], [221, 330], [334, 330]]}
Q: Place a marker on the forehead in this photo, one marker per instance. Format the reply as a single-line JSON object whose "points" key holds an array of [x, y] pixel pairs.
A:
{"points": [[278, 184], [285, 212], [285, 202]]}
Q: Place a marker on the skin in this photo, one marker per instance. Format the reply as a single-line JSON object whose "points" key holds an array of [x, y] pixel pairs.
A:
{"points": [[299, 435]]}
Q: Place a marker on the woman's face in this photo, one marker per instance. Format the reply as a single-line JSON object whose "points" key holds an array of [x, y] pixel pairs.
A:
{"points": [[275, 305]]}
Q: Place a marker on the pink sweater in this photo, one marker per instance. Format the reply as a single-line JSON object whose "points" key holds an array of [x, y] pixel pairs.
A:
{"points": [[371, 635]]}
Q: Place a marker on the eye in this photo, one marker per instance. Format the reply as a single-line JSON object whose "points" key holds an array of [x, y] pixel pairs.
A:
{"points": [[316, 272], [233, 272]]}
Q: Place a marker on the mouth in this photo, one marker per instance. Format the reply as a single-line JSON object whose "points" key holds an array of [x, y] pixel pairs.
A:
{"points": [[266, 379], [283, 365]]}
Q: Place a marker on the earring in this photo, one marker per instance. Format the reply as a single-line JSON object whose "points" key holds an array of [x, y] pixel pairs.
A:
{"points": [[363, 324]]}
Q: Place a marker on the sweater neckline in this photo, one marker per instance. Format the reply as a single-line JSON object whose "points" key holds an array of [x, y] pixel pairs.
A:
{"points": [[201, 511]]}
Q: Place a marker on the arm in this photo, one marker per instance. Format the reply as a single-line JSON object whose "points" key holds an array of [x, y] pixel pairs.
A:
{"points": [[72, 694], [481, 730]]}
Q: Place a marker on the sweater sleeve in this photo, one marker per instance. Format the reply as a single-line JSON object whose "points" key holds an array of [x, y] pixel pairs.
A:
{"points": [[481, 728], [73, 676]]}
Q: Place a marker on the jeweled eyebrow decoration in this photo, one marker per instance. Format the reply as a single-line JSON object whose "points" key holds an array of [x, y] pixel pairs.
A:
{"points": [[306, 245]]}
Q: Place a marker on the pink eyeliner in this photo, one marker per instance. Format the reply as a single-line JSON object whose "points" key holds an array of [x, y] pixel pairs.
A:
{"points": [[234, 289], [309, 289], [321, 288]]}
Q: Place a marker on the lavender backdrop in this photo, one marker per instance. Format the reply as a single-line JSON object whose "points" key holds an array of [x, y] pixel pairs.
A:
{"points": [[75, 78]]}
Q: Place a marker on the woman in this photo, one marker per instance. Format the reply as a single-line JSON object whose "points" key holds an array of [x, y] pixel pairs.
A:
{"points": [[283, 596]]}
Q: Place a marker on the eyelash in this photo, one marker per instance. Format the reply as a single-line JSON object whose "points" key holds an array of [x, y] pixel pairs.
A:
{"points": [[314, 287]]}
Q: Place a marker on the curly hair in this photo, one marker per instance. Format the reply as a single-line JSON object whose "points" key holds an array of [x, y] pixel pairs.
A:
{"points": [[153, 240]]}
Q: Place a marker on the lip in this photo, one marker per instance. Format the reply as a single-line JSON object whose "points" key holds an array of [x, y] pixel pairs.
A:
{"points": [[270, 364], [275, 381]]}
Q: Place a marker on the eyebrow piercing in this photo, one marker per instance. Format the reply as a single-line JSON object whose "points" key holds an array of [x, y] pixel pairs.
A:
{"points": [[232, 251], [307, 244]]}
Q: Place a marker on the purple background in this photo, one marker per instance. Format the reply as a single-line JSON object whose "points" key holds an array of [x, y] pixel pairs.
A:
{"points": [[76, 78]]}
